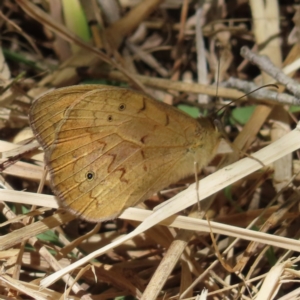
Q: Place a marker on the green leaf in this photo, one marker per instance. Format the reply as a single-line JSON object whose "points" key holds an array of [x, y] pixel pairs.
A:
{"points": [[76, 20], [241, 115], [271, 256], [49, 236], [190, 110], [228, 194], [19, 58], [294, 108]]}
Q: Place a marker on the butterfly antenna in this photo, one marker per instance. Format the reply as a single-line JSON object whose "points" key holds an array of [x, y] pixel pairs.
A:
{"points": [[220, 127], [247, 94]]}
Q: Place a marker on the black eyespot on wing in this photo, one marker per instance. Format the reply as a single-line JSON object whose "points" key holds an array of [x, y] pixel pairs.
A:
{"points": [[122, 106], [109, 118], [89, 175]]}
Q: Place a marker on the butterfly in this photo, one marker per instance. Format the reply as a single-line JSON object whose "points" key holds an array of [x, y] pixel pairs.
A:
{"points": [[109, 148]]}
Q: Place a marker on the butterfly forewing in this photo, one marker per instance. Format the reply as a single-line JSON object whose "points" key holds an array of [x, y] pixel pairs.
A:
{"points": [[48, 111]]}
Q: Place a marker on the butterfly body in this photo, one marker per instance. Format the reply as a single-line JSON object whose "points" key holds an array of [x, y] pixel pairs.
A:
{"points": [[109, 148]]}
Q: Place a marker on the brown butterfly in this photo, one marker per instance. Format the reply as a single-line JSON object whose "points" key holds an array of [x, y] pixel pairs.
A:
{"points": [[109, 148]]}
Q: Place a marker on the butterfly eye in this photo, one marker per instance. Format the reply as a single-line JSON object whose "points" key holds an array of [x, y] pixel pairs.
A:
{"points": [[90, 175], [122, 106], [109, 118]]}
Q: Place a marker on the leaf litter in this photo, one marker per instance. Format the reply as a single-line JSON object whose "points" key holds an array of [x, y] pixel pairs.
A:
{"points": [[176, 51]]}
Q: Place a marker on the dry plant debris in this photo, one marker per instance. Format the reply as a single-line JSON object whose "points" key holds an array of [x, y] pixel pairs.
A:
{"points": [[198, 56]]}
